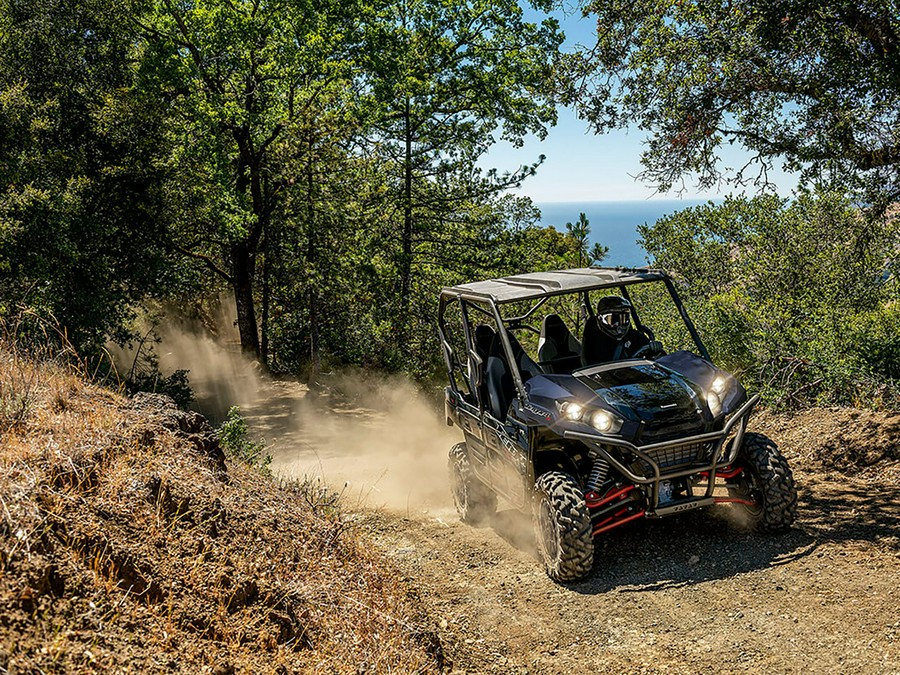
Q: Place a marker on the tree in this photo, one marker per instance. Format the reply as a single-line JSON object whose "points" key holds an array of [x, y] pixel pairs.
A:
{"points": [[814, 83], [587, 255], [443, 80], [80, 211], [239, 76], [786, 293]]}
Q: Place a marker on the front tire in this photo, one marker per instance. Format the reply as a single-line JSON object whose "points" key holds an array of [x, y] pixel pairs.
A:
{"points": [[474, 501], [562, 526], [766, 480]]}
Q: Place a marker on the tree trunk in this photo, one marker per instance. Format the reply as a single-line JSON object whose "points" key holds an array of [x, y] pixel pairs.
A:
{"points": [[407, 234], [243, 262], [264, 345], [312, 251]]}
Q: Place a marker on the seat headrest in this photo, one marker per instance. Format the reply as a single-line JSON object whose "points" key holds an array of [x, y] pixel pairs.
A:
{"points": [[554, 328], [484, 338]]}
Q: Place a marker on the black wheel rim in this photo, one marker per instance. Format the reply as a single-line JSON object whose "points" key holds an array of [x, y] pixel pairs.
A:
{"points": [[747, 486], [459, 489]]}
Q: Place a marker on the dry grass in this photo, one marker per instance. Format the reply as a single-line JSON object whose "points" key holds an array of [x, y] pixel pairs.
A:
{"points": [[125, 546]]}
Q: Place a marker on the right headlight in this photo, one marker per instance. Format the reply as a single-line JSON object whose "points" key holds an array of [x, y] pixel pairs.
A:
{"points": [[715, 397], [714, 401]]}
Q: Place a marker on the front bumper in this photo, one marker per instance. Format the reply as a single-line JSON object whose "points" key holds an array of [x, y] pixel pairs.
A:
{"points": [[678, 458]]}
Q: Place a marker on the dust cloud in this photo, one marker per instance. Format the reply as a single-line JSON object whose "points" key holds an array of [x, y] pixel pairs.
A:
{"points": [[378, 440]]}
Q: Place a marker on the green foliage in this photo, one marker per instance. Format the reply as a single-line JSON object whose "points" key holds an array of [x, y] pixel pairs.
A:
{"points": [[817, 84], [80, 223], [322, 162], [145, 375], [235, 442], [580, 231], [796, 295]]}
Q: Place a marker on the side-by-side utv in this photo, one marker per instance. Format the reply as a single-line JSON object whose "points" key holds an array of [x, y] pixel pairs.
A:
{"points": [[588, 426]]}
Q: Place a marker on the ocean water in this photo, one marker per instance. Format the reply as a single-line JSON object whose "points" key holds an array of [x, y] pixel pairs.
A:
{"points": [[614, 224]]}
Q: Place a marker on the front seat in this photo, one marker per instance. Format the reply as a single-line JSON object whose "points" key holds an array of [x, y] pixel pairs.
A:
{"points": [[501, 386], [558, 350]]}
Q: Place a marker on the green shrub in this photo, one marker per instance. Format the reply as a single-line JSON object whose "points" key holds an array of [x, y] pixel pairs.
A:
{"points": [[794, 295], [234, 439]]}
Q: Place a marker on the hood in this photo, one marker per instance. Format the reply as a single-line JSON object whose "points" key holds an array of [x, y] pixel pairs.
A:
{"points": [[663, 402], [657, 401]]}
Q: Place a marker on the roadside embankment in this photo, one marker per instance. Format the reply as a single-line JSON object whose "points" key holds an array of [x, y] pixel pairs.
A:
{"points": [[128, 542]]}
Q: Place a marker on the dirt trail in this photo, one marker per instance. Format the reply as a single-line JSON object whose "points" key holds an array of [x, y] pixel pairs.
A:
{"points": [[690, 594]]}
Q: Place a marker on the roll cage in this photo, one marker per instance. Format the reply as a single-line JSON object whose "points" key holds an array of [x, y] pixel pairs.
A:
{"points": [[487, 298]]}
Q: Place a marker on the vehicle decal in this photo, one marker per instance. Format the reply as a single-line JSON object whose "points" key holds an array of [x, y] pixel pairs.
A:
{"points": [[543, 413]]}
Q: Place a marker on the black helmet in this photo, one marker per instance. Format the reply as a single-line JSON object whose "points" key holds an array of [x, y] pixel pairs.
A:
{"points": [[614, 316]]}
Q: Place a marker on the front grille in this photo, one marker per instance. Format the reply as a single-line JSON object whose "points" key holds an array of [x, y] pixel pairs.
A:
{"points": [[679, 455]]}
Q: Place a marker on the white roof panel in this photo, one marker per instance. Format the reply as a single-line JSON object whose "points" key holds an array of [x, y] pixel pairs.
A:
{"points": [[538, 284]]}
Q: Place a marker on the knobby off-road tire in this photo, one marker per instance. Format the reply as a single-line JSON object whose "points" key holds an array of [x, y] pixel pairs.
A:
{"points": [[474, 501], [562, 525], [768, 481]]}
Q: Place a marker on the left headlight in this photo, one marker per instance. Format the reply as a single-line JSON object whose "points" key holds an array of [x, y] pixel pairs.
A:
{"points": [[602, 420]]}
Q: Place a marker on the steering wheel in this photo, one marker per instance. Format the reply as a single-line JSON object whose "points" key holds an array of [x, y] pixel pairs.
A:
{"points": [[647, 349], [640, 352]]}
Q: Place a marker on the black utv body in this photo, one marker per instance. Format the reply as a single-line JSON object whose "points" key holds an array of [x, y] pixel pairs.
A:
{"points": [[586, 447]]}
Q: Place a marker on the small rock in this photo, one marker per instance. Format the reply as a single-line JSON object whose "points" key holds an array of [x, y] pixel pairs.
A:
{"points": [[694, 559]]}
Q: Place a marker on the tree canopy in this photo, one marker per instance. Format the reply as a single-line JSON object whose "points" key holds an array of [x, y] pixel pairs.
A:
{"points": [[786, 293], [815, 84], [319, 162]]}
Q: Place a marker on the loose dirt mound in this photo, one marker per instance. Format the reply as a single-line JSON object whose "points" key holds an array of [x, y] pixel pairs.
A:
{"points": [[126, 542], [854, 442]]}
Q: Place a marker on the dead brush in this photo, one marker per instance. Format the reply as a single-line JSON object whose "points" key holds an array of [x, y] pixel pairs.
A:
{"points": [[19, 387], [38, 362], [134, 566]]}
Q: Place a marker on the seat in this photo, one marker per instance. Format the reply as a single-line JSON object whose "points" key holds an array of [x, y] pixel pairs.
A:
{"points": [[483, 339], [527, 367], [500, 384], [596, 346], [558, 350]]}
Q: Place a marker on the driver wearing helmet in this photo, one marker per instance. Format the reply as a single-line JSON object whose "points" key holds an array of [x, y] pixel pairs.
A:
{"points": [[609, 336]]}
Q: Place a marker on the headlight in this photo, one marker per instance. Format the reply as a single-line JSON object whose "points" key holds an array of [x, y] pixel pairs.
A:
{"points": [[571, 411], [714, 401], [719, 384], [605, 422], [718, 391], [602, 420]]}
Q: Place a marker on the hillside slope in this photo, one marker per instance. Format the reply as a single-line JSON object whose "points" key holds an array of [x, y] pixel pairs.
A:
{"points": [[127, 542]]}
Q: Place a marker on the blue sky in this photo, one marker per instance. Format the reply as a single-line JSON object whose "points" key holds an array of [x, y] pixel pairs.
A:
{"points": [[581, 166]]}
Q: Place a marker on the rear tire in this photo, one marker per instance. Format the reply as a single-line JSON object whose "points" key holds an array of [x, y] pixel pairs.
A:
{"points": [[562, 525], [474, 501], [766, 480]]}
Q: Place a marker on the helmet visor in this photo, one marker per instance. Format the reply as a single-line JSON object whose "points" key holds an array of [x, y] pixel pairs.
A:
{"points": [[616, 319]]}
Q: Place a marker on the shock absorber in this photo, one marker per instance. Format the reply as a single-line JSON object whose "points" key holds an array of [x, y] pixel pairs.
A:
{"points": [[599, 469]]}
